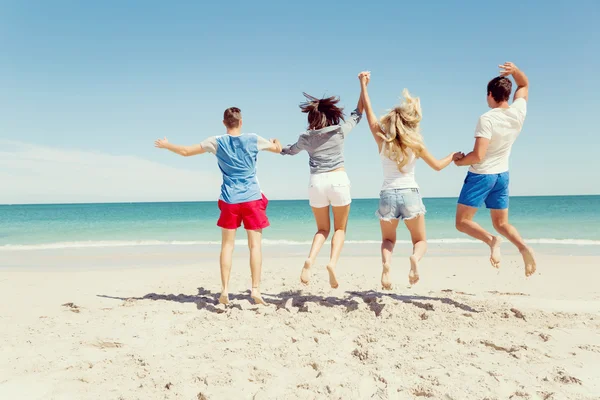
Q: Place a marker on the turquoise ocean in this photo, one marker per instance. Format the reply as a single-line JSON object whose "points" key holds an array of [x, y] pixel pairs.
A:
{"points": [[557, 220]]}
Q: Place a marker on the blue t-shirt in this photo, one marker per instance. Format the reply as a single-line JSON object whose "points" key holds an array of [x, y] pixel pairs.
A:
{"points": [[236, 156]]}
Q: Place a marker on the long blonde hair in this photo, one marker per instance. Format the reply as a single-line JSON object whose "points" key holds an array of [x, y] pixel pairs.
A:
{"points": [[401, 132]]}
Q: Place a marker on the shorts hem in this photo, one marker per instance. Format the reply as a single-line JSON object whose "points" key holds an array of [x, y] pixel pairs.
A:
{"points": [[462, 203], [414, 216]]}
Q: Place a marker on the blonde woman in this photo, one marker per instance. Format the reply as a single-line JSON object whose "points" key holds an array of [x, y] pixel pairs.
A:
{"points": [[400, 144]]}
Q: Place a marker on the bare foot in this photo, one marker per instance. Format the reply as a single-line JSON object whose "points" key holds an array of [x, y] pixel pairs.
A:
{"points": [[256, 296], [413, 275], [386, 282], [529, 260], [332, 278], [305, 275], [495, 251], [224, 298]]}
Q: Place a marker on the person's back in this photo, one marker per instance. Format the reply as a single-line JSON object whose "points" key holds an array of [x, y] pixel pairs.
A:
{"points": [[236, 156], [325, 146], [501, 126], [394, 178]]}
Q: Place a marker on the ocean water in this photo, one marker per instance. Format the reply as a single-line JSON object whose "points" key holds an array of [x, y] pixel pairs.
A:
{"points": [[560, 220]]}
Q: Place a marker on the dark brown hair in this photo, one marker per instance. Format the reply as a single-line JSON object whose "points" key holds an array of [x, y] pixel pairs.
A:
{"points": [[322, 112], [500, 88], [232, 117]]}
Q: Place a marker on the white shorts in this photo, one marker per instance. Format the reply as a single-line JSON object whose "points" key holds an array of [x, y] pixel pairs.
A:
{"points": [[329, 188]]}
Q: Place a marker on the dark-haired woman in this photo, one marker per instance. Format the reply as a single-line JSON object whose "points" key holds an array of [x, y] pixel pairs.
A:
{"points": [[329, 184]]}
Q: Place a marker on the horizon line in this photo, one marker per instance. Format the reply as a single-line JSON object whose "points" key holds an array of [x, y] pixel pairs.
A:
{"points": [[214, 201]]}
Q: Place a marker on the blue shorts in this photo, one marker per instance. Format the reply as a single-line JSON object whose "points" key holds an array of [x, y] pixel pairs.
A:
{"points": [[490, 189], [400, 204]]}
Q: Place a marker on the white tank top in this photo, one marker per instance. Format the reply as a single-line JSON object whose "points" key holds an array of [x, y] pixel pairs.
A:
{"points": [[396, 179]]}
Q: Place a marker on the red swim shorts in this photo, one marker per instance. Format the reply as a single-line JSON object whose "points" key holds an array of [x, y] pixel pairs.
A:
{"points": [[252, 213]]}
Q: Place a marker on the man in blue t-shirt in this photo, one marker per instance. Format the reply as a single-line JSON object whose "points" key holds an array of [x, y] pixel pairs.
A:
{"points": [[241, 199]]}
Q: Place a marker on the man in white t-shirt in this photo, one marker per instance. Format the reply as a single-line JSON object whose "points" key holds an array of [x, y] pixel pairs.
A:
{"points": [[488, 178]]}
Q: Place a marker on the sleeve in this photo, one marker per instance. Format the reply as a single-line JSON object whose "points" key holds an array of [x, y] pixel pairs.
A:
{"points": [[352, 121], [520, 105], [210, 144], [484, 128], [262, 143], [293, 149]]}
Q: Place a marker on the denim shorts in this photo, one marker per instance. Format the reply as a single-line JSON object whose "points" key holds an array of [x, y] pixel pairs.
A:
{"points": [[491, 189], [400, 204]]}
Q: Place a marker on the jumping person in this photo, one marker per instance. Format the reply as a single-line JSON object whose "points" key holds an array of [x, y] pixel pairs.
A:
{"points": [[400, 144], [329, 183], [241, 199], [488, 177]]}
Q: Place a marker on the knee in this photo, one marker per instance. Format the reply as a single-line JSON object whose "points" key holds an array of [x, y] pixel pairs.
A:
{"points": [[388, 242], [460, 225], [254, 246], [324, 232], [500, 226]]}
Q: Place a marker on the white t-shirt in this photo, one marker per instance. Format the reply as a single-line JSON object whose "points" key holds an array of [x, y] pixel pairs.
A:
{"points": [[501, 126]]}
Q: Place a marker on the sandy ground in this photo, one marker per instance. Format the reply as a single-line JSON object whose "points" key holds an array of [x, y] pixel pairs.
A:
{"points": [[464, 332]]}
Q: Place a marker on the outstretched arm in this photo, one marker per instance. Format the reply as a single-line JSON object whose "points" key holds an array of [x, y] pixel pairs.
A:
{"points": [[185, 151], [291, 149], [439, 165], [364, 78], [520, 78], [275, 146]]}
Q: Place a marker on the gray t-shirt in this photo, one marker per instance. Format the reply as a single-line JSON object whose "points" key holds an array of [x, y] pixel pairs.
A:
{"points": [[325, 146]]}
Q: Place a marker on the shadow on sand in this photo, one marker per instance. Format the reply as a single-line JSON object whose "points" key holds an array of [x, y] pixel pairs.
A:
{"points": [[209, 301]]}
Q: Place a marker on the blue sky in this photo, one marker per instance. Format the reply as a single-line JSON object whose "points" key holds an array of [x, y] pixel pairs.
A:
{"points": [[88, 86]]}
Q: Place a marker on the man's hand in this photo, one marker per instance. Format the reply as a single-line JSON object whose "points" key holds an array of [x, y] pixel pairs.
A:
{"points": [[507, 69], [457, 156], [161, 143]]}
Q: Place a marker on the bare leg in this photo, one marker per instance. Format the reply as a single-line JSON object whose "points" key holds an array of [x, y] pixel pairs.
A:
{"points": [[340, 222], [227, 245], [465, 224], [500, 221], [416, 227], [323, 226], [255, 246], [388, 241]]}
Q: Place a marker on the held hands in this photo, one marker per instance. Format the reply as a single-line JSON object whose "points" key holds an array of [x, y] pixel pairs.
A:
{"points": [[364, 77], [277, 144], [161, 143], [456, 157], [507, 69]]}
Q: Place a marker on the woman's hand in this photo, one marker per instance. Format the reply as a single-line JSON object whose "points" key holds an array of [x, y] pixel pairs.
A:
{"points": [[364, 77]]}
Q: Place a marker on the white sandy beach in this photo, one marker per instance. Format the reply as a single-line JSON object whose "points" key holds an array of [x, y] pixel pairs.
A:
{"points": [[464, 332]]}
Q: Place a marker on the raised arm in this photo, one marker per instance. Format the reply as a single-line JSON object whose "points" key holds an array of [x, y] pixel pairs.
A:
{"points": [[185, 151], [520, 78], [364, 78], [436, 164]]}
